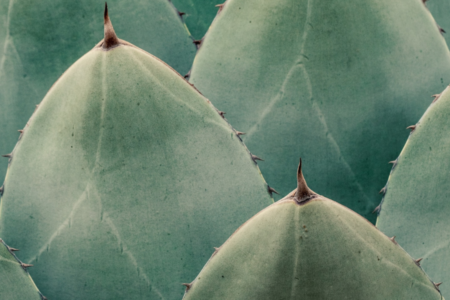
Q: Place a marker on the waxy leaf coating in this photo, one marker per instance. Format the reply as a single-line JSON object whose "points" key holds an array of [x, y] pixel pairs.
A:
{"points": [[124, 179], [333, 81]]}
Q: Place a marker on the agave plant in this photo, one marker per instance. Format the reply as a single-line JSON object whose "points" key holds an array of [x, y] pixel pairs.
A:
{"points": [[131, 177], [415, 205], [306, 246], [335, 81], [39, 40]]}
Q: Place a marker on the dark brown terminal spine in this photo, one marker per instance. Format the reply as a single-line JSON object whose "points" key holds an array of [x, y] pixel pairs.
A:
{"points": [[110, 40], [303, 193]]}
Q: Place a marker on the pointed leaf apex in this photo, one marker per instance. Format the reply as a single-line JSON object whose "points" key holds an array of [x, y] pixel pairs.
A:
{"points": [[303, 192], [110, 40]]}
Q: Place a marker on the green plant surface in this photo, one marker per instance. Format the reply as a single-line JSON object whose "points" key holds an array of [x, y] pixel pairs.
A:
{"points": [[39, 40], [440, 9], [333, 81], [198, 14], [416, 204], [310, 248], [131, 178], [16, 283]]}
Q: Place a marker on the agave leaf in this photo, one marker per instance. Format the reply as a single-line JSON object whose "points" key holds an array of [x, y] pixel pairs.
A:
{"points": [[415, 207], [309, 247], [16, 282], [131, 178], [40, 39], [334, 81]]}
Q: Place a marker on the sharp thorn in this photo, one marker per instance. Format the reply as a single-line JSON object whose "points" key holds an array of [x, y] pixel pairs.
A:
{"points": [[417, 261], [383, 191], [377, 209], [437, 285], [239, 133], [215, 248], [187, 285], [188, 74], [436, 97], [220, 6], [255, 158], [181, 14], [393, 162], [412, 127], [393, 240], [25, 266], [20, 130], [272, 190], [7, 155], [222, 113], [110, 39], [12, 249], [303, 192], [197, 43]]}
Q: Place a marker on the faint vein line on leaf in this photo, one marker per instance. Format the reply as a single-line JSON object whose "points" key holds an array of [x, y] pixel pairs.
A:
{"points": [[337, 148], [297, 233], [435, 249], [319, 111], [130, 255], [297, 63], [63, 225], [7, 36], [82, 198], [273, 101]]}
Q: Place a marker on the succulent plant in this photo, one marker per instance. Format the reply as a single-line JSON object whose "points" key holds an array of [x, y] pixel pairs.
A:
{"points": [[198, 14], [416, 201], [16, 283], [306, 246], [333, 81], [124, 178], [39, 40]]}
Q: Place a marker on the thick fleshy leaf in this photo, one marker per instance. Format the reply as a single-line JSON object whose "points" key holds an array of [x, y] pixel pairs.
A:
{"points": [[124, 180], [416, 205], [333, 81], [16, 283], [41, 39], [310, 248]]}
